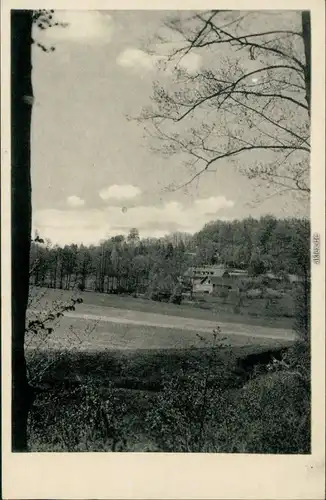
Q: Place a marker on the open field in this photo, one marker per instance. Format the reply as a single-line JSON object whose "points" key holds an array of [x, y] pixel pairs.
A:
{"points": [[98, 327], [94, 334], [208, 310], [134, 347]]}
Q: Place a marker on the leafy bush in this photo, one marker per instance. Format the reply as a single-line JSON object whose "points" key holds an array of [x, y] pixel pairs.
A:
{"points": [[273, 293], [176, 296], [181, 420], [39, 327], [254, 293], [272, 415], [194, 408], [79, 419], [302, 309], [223, 293], [160, 296]]}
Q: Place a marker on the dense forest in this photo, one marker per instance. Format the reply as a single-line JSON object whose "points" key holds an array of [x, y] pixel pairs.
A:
{"points": [[131, 264]]}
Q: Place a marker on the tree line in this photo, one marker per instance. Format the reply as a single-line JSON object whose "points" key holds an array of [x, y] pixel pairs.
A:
{"points": [[130, 264], [259, 245]]}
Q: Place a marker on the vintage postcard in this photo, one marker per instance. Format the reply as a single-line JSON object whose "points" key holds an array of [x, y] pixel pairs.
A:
{"points": [[163, 273]]}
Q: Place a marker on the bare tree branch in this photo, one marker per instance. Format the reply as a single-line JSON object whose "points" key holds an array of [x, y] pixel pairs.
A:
{"points": [[243, 41], [289, 131], [235, 109]]}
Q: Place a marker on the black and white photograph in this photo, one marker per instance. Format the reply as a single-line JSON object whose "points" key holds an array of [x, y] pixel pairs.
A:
{"points": [[161, 233]]}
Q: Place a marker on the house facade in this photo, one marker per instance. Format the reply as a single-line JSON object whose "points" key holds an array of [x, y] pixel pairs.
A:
{"points": [[213, 279]]}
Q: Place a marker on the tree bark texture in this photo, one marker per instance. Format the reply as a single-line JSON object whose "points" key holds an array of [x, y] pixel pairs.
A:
{"points": [[21, 108], [306, 35]]}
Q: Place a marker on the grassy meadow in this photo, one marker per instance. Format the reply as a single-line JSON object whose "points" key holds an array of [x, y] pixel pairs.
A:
{"points": [[138, 387], [254, 311]]}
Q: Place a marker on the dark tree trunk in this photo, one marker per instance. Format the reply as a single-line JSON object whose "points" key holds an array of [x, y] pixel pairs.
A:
{"points": [[68, 280], [306, 35], [61, 275], [84, 274], [21, 108], [54, 283]]}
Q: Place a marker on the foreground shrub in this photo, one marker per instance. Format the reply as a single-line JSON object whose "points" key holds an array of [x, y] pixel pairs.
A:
{"points": [[272, 415], [190, 400], [187, 415], [176, 296], [302, 308], [81, 418], [196, 412]]}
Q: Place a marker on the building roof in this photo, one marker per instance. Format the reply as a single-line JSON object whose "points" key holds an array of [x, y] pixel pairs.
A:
{"points": [[271, 276], [216, 271], [216, 280], [294, 278], [211, 280], [202, 271], [237, 272]]}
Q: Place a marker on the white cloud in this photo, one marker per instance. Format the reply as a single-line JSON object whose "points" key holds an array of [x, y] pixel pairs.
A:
{"points": [[139, 60], [136, 58], [119, 192], [191, 62], [81, 26], [90, 226], [212, 205], [75, 201]]}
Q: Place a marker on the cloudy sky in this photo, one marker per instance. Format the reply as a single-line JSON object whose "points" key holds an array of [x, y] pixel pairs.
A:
{"points": [[93, 173]]}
